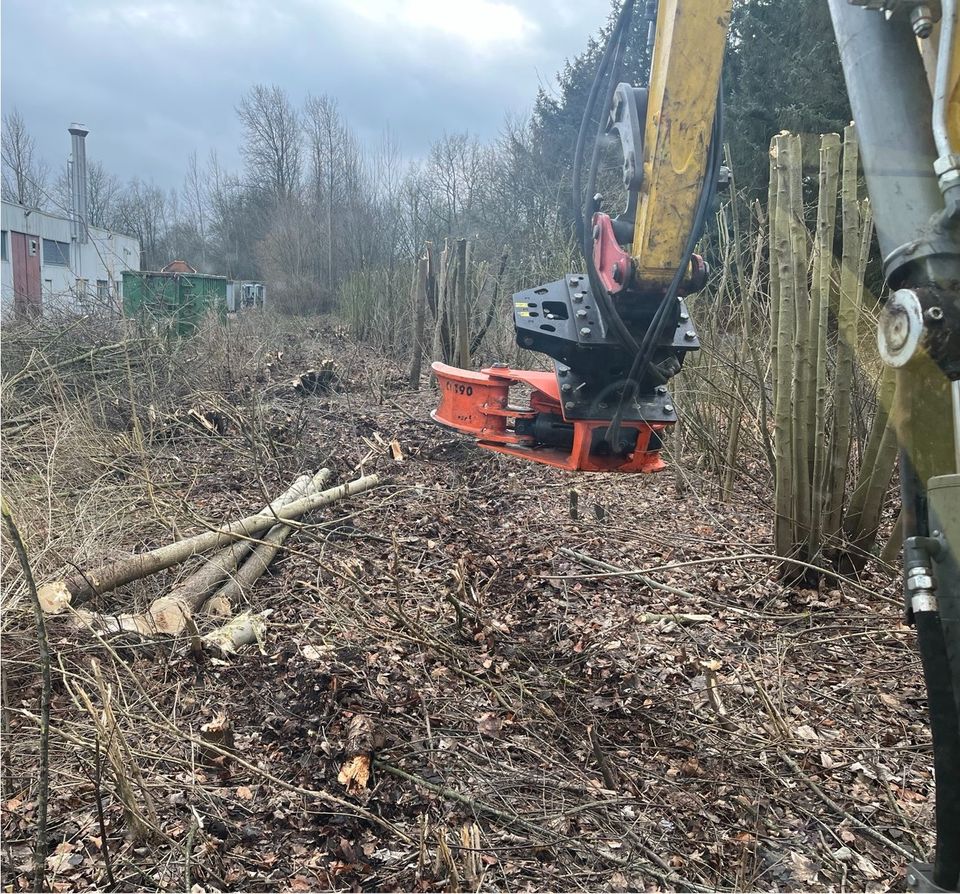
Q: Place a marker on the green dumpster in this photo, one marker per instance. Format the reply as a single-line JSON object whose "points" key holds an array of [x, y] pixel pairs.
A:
{"points": [[175, 300]]}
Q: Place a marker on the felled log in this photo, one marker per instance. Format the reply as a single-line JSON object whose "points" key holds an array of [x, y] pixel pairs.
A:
{"points": [[355, 771], [171, 613], [251, 570], [57, 596], [242, 630]]}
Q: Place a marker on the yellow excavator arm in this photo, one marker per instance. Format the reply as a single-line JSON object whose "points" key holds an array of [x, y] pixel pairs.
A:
{"points": [[681, 105]]}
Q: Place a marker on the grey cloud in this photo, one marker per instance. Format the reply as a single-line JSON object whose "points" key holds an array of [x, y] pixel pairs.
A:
{"points": [[156, 80]]}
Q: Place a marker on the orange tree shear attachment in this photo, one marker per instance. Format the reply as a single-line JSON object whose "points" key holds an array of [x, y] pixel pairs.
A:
{"points": [[477, 403]]}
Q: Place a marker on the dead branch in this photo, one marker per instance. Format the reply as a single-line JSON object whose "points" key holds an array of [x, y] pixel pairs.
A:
{"points": [[43, 648], [836, 808]]}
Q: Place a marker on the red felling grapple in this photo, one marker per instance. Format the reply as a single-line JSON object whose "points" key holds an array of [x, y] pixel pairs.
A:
{"points": [[477, 403]]}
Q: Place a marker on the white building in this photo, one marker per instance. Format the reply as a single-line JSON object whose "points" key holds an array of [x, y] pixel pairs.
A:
{"points": [[50, 262]]}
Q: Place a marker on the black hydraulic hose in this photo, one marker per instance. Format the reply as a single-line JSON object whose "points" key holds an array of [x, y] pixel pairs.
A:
{"points": [[945, 730], [941, 697], [612, 42], [610, 312]]}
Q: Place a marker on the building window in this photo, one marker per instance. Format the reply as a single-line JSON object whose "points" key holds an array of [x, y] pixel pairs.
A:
{"points": [[56, 252], [103, 290], [3, 245]]}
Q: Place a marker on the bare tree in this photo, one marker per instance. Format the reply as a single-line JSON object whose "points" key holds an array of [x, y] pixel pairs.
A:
{"points": [[103, 190], [271, 146], [142, 211], [195, 199], [25, 174], [286, 257], [326, 135], [455, 169], [103, 193]]}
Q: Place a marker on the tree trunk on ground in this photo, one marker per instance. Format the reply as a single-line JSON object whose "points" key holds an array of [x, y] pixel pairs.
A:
{"points": [[256, 564], [73, 591], [170, 614], [242, 630]]}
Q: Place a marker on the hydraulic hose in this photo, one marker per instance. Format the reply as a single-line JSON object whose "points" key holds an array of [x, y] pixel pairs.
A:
{"points": [[944, 726], [612, 42]]}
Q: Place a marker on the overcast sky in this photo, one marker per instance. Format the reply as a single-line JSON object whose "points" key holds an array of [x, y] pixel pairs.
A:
{"points": [[155, 80]]}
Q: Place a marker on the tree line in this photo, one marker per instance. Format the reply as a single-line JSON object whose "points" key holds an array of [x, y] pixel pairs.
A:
{"points": [[313, 204]]}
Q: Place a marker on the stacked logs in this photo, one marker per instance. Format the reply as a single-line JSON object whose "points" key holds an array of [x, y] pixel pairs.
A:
{"points": [[235, 556]]}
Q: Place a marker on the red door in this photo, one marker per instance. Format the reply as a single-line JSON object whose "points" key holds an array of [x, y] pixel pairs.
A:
{"points": [[25, 255]]}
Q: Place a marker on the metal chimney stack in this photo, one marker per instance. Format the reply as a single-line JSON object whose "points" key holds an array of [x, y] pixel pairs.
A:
{"points": [[78, 181]]}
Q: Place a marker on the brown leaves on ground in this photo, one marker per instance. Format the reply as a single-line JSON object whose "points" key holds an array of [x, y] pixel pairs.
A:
{"points": [[367, 660]]}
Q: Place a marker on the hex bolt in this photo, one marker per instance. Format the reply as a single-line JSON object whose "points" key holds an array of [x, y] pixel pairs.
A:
{"points": [[668, 408], [684, 316], [911, 881], [578, 296], [689, 335], [661, 389], [501, 365], [604, 406], [566, 387], [581, 314], [570, 405], [563, 372], [933, 314], [585, 332], [527, 341], [921, 18]]}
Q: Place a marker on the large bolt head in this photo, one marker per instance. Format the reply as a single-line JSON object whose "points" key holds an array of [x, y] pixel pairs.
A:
{"points": [[900, 328]]}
